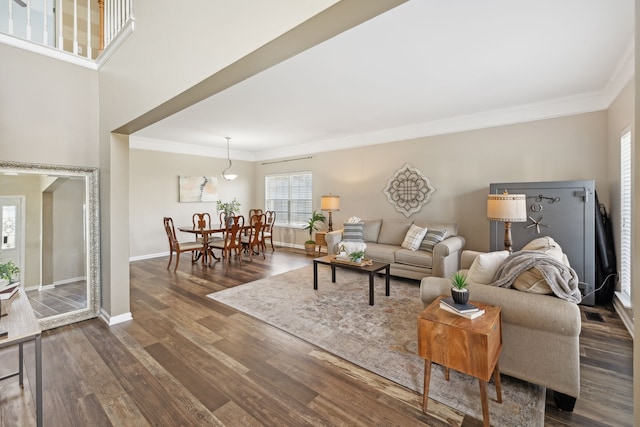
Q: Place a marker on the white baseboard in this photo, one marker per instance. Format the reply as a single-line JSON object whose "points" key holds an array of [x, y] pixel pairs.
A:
{"points": [[163, 254], [114, 320], [618, 306]]}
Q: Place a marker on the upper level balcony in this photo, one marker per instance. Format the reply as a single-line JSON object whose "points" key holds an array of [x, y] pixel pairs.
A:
{"points": [[80, 31]]}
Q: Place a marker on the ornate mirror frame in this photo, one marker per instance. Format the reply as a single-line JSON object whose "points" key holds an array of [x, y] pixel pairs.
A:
{"points": [[92, 242]]}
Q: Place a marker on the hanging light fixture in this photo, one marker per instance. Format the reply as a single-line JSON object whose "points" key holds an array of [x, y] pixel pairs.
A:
{"points": [[225, 175]]}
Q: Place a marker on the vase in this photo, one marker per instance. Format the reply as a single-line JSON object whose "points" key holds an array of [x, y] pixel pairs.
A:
{"points": [[460, 296]]}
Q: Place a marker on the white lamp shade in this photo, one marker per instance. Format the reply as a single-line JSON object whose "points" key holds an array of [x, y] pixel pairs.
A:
{"points": [[507, 207], [330, 203]]}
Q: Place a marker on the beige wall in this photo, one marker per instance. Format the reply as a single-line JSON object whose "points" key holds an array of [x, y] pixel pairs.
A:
{"points": [[154, 195], [48, 110], [460, 166]]}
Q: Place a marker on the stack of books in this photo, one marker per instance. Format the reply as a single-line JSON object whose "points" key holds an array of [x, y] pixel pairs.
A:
{"points": [[9, 290], [467, 310]]}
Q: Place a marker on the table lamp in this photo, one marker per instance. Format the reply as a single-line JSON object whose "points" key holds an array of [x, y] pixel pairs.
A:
{"points": [[330, 203], [507, 208]]}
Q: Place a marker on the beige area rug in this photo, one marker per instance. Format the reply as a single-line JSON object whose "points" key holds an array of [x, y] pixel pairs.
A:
{"points": [[380, 338]]}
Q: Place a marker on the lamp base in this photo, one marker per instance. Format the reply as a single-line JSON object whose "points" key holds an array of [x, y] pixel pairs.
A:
{"points": [[330, 222], [507, 237]]}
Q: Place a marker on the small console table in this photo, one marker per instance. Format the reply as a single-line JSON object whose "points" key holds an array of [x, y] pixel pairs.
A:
{"points": [[21, 326]]}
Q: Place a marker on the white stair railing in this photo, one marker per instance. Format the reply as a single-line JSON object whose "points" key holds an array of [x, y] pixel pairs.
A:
{"points": [[81, 27]]}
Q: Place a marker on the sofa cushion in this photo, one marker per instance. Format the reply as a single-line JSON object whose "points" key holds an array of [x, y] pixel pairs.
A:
{"points": [[484, 267], [393, 232], [371, 230], [432, 238], [353, 232], [415, 258], [413, 238], [380, 252]]}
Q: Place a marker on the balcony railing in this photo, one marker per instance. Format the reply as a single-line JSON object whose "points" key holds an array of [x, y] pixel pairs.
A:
{"points": [[81, 27]]}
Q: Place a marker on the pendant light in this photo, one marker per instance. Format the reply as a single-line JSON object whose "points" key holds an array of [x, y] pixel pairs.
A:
{"points": [[225, 175]]}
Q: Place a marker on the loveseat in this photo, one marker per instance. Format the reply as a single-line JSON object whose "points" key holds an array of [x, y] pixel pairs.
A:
{"points": [[540, 333], [437, 254]]}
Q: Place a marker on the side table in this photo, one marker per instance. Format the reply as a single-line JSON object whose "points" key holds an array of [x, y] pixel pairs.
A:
{"points": [[321, 240], [468, 346]]}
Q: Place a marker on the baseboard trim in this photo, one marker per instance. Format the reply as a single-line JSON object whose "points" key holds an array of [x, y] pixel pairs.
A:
{"points": [[618, 306], [114, 320]]}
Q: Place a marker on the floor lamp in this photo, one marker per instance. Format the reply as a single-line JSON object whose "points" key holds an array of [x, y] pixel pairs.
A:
{"points": [[330, 203], [507, 208]]}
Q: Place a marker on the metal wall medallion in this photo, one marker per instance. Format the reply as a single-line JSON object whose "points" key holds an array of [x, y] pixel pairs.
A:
{"points": [[408, 190]]}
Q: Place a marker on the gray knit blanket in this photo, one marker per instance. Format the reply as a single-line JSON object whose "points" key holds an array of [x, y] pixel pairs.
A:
{"points": [[563, 280]]}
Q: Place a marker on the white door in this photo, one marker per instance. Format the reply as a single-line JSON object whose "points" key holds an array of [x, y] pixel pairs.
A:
{"points": [[11, 231]]}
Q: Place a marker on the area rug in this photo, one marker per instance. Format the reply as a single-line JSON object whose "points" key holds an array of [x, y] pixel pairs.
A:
{"points": [[381, 338]]}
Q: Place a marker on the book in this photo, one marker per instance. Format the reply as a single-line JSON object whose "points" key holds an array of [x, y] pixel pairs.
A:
{"points": [[469, 315], [9, 291], [460, 308]]}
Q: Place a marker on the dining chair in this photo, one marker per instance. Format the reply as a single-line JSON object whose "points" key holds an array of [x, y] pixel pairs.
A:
{"points": [[176, 246], [254, 238], [231, 242], [253, 212], [267, 232]]}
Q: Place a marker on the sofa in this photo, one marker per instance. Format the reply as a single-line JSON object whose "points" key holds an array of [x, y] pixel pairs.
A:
{"points": [[436, 254], [540, 333]]}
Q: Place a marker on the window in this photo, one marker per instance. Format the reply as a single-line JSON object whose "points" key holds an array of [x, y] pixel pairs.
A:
{"points": [[625, 217], [290, 196]]}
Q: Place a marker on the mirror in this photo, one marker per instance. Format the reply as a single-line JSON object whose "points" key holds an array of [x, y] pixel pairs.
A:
{"points": [[50, 229]]}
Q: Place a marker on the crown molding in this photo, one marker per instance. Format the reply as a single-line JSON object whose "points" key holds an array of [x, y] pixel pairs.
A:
{"points": [[151, 144]]}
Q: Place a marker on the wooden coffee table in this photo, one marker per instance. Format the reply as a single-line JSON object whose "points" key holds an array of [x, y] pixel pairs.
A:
{"points": [[468, 346], [371, 269]]}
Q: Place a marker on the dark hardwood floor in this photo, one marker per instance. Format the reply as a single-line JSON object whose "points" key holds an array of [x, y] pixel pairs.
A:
{"points": [[188, 360]]}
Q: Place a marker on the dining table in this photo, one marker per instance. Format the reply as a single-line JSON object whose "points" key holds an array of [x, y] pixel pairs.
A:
{"points": [[205, 233]]}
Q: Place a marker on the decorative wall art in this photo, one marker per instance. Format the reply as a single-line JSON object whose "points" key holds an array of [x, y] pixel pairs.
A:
{"points": [[198, 189], [408, 190]]}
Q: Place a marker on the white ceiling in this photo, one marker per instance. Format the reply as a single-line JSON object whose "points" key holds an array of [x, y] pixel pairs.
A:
{"points": [[426, 67]]}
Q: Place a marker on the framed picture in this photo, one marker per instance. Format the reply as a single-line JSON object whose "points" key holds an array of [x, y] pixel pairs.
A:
{"points": [[195, 189]]}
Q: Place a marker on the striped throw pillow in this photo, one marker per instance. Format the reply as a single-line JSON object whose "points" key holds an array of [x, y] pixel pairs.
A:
{"points": [[414, 237], [432, 238], [353, 232]]}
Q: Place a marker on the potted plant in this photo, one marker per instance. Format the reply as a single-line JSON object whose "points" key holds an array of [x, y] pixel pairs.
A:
{"points": [[356, 256], [312, 225], [459, 291], [228, 207], [8, 272]]}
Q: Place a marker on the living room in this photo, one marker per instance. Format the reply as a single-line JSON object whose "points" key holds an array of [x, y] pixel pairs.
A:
{"points": [[460, 164]]}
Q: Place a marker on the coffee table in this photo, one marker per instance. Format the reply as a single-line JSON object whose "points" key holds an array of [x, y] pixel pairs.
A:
{"points": [[371, 269]]}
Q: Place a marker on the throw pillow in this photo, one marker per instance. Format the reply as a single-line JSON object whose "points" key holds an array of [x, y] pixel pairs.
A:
{"points": [[533, 282], [484, 267], [413, 238], [353, 232], [545, 245], [432, 238]]}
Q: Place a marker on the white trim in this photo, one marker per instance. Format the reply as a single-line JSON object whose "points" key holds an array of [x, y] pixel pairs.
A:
{"points": [[148, 256], [47, 51], [618, 306], [110, 321]]}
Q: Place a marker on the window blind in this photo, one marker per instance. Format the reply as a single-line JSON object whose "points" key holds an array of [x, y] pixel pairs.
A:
{"points": [[625, 217], [290, 196]]}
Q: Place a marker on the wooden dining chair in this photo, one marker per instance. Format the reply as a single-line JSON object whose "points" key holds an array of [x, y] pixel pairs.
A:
{"points": [[231, 242], [176, 246], [253, 212], [267, 231], [254, 239]]}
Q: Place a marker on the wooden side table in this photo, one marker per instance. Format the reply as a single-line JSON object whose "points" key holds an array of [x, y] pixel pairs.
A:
{"points": [[468, 346], [321, 240]]}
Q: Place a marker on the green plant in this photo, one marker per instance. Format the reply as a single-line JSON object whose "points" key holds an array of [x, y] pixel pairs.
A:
{"points": [[356, 255], [459, 281], [228, 207], [8, 270], [312, 225]]}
